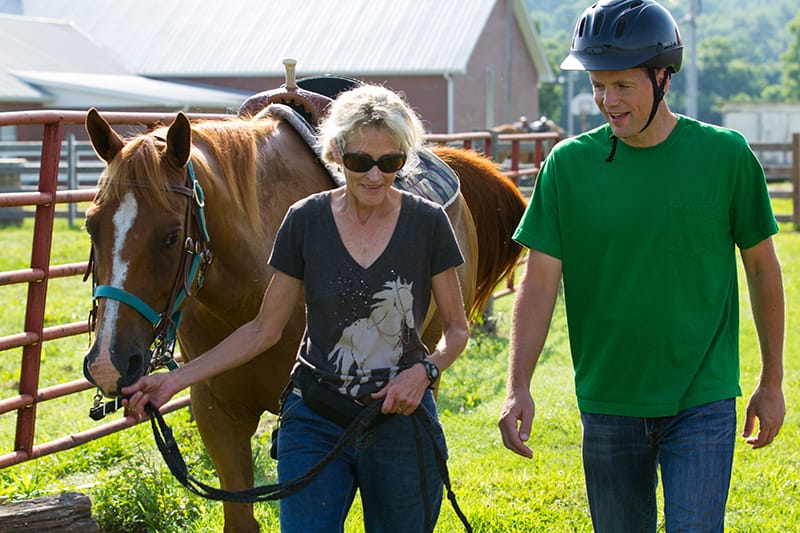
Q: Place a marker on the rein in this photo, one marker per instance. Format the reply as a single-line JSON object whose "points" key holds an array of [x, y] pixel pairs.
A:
{"points": [[168, 447], [195, 259]]}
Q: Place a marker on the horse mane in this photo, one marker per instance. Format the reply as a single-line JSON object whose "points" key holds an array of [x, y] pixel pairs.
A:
{"points": [[136, 169], [223, 150], [233, 148], [490, 195], [390, 288]]}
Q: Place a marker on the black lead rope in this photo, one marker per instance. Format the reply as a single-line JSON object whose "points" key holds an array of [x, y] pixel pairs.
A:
{"points": [[168, 447]]}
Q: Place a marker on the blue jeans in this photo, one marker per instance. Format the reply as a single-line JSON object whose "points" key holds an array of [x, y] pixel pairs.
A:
{"points": [[396, 494], [694, 449]]}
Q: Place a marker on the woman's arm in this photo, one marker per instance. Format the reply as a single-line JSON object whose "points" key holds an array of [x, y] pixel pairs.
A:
{"points": [[241, 346]]}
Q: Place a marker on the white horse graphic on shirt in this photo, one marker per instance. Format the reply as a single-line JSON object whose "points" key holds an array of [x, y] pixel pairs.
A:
{"points": [[375, 341]]}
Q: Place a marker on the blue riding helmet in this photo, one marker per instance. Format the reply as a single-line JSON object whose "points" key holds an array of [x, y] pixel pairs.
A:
{"points": [[624, 34]]}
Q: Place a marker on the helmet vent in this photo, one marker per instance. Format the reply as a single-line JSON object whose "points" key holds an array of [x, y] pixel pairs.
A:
{"points": [[618, 31], [598, 24], [581, 27], [635, 4]]}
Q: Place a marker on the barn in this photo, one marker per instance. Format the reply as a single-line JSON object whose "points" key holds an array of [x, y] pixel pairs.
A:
{"points": [[462, 65]]}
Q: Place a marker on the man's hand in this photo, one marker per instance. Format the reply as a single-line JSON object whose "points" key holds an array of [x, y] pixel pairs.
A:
{"points": [[515, 423], [768, 406]]}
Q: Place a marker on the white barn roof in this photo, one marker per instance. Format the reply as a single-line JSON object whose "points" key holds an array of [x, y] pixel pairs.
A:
{"points": [[78, 89], [183, 38], [22, 50], [46, 61]]}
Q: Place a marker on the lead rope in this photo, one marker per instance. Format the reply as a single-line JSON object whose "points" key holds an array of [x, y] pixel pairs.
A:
{"points": [[432, 426], [172, 456], [422, 479]]}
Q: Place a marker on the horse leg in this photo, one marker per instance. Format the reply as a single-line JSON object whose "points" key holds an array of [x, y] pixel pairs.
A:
{"points": [[227, 439]]}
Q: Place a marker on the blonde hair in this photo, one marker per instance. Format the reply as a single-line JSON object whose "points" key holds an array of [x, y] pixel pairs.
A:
{"points": [[370, 105]]}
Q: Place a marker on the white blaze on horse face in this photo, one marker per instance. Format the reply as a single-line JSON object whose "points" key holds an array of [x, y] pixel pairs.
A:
{"points": [[123, 222]]}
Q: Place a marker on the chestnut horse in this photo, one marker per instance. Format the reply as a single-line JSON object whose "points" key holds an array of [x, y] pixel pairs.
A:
{"points": [[244, 173]]}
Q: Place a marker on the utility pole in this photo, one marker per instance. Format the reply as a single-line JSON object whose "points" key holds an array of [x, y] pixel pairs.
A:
{"points": [[691, 64]]}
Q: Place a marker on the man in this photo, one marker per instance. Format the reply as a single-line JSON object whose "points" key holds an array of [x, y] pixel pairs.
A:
{"points": [[642, 217]]}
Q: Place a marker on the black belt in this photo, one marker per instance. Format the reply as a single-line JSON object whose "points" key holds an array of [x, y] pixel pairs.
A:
{"points": [[321, 398]]}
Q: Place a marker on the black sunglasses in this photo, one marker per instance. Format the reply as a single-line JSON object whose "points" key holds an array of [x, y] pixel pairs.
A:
{"points": [[363, 163]]}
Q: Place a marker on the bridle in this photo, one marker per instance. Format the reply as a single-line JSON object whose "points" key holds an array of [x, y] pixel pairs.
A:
{"points": [[196, 257]]}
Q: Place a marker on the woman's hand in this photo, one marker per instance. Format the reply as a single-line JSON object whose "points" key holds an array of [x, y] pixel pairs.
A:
{"points": [[404, 393], [155, 388]]}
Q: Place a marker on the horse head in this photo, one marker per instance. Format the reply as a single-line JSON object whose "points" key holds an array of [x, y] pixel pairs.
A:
{"points": [[138, 229], [394, 306]]}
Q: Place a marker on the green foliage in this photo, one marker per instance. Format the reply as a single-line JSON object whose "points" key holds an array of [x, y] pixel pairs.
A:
{"points": [[137, 493], [727, 75], [791, 62], [152, 502]]}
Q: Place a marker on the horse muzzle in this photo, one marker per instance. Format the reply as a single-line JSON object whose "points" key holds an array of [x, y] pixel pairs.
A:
{"points": [[110, 371]]}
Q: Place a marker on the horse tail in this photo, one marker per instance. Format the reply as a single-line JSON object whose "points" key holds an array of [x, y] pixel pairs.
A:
{"points": [[496, 206]]}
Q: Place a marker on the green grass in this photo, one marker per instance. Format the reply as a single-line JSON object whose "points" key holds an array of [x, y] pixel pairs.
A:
{"points": [[132, 490]]}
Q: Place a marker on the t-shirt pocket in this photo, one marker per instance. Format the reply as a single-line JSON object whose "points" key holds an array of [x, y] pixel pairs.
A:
{"points": [[695, 229]]}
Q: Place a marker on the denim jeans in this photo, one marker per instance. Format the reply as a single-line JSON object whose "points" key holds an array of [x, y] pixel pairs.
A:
{"points": [[396, 494], [694, 450]]}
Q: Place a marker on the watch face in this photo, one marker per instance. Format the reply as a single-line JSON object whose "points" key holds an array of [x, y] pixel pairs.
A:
{"points": [[432, 370]]}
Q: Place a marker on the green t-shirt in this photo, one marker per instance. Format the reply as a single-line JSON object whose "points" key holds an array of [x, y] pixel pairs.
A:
{"points": [[647, 244]]}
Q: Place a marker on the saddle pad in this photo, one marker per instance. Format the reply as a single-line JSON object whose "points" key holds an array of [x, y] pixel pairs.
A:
{"points": [[433, 179]]}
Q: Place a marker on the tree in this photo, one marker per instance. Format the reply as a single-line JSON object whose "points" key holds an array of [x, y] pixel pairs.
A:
{"points": [[726, 73], [791, 63], [551, 95]]}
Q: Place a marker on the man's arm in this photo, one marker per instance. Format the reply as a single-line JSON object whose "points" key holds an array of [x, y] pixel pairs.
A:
{"points": [[530, 322], [767, 302]]}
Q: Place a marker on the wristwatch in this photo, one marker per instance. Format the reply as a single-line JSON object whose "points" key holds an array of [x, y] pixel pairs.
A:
{"points": [[431, 370]]}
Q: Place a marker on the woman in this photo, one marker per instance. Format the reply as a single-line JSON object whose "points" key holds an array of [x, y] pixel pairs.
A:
{"points": [[367, 256]]}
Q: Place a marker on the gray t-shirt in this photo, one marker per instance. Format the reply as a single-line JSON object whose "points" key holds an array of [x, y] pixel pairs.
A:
{"points": [[357, 319]]}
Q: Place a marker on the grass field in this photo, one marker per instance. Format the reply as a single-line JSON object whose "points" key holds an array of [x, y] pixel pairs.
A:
{"points": [[132, 490]]}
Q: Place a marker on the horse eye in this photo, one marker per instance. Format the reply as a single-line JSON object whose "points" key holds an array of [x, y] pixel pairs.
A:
{"points": [[171, 239]]}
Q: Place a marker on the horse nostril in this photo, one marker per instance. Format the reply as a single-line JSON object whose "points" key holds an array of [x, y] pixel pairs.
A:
{"points": [[136, 369], [86, 373]]}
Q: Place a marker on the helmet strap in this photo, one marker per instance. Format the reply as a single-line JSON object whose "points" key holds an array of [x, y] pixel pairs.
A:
{"points": [[658, 93], [614, 141]]}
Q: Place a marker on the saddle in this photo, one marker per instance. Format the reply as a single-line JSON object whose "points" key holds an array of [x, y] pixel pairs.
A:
{"points": [[302, 103]]}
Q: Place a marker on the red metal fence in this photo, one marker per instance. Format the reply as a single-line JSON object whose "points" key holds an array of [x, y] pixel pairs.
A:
{"points": [[38, 276]]}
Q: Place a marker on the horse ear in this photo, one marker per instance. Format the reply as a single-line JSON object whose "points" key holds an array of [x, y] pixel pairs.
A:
{"points": [[179, 141], [105, 141]]}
